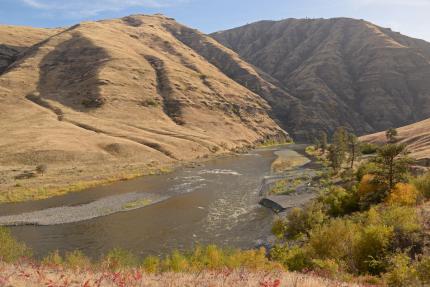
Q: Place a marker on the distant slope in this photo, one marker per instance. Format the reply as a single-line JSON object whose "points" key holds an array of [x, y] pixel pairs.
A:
{"points": [[120, 92], [343, 71], [14, 40], [416, 136]]}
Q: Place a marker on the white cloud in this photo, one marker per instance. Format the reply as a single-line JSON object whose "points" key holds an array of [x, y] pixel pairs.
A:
{"points": [[85, 8]]}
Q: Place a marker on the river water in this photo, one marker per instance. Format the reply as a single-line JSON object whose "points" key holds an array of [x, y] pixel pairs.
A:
{"points": [[215, 202]]}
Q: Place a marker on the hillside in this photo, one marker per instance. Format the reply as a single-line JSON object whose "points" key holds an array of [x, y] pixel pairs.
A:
{"points": [[14, 40], [416, 136], [123, 94], [342, 72]]}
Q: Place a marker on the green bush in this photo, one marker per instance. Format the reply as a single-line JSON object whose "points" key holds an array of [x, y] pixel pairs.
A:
{"points": [[423, 270], [53, 259], [368, 148], [76, 260], [10, 249], [176, 262], [422, 183], [333, 240], [365, 168], [370, 192], [301, 220], [213, 258], [401, 272], [405, 223], [118, 259], [339, 201], [279, 228], [372, 248], [151, 264], [294, 258], [327, 267]]}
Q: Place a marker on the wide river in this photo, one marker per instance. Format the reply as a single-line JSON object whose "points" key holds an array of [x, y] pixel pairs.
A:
{"points": [[214, 202]]}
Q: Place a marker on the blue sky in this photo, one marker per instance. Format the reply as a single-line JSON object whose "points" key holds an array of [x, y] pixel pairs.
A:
{"points": [[411, 17]]}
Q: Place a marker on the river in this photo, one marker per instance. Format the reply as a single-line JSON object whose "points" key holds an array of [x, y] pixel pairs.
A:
{"points": [[213, 202]]}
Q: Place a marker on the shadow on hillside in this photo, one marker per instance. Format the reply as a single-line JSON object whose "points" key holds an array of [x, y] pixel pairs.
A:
{"points": [[8, 55], [69, 74]]}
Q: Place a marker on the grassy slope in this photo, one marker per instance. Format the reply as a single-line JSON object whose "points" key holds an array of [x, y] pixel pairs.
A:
{"points": [[416, 136], [124, 96]]}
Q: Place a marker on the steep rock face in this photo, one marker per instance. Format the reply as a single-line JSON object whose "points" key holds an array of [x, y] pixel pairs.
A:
{"points": [[343, 71], [123, 90]]}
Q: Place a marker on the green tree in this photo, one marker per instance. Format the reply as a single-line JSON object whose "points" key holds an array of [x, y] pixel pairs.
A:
{"points": [[323, 141], [391, 135], [335, 157], [354, 149], [340, 139], [339, 147], [393, 164]]}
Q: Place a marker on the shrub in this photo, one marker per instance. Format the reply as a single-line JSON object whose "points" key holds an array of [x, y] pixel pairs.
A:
{"points": [[403, 194], [423, 270], [53, 259], [301, 220], [279, 187], [279, 228], [401, 218], [326, 268], [294, 258], [370, 192], [42, 168], [250, 259], [405, 223], [151, 264], [365, 168], [422, 183], [339, 201], [10, 249], [118, 259], [368, 148], [76, 260], [371, 249], [176, 262], [401, 273], [334, 240]]}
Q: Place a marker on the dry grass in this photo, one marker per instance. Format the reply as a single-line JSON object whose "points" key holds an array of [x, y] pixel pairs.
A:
{"points": [[416, 136], [60, 181], [92, 108], [29, 275]]}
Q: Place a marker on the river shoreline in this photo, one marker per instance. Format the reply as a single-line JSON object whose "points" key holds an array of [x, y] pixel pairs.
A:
{"points": [[213, 202], [111, 204], [106, 204]]}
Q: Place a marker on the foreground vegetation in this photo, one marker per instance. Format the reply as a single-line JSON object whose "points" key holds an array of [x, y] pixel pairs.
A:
{"points": [[203, 266], [366, 222]]}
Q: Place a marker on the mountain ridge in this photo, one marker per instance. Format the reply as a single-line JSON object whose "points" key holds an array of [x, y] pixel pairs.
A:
{"points": [[348, 68]]}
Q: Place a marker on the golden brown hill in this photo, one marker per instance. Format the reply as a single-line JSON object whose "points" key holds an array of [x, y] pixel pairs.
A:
{"points": [[416, 136], [101, 97], [343, 72], [14, 40]]}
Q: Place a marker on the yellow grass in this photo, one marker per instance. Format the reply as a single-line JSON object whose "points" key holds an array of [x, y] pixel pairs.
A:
{"points": [[21, 194]]}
